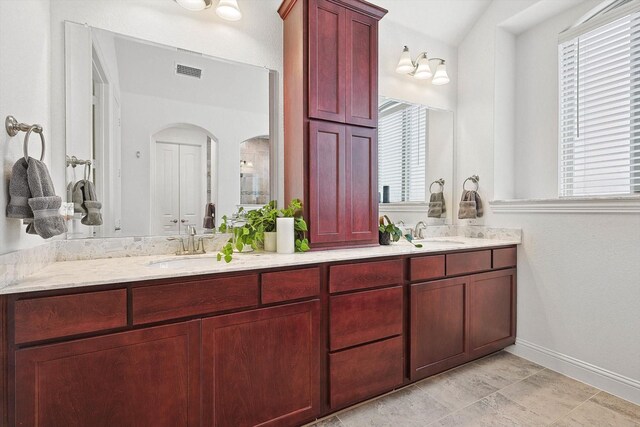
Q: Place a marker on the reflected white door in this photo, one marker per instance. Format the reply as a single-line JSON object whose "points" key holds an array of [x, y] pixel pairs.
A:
{"points": [[191, 180], [167, 191], [179, 194]]}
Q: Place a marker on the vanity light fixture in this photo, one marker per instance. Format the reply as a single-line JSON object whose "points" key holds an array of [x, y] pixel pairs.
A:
{"points": [[421, 68], [226, 9]]}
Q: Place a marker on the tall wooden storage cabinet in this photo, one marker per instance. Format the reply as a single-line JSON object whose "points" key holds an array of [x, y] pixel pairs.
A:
{"points": [[331, 117]]}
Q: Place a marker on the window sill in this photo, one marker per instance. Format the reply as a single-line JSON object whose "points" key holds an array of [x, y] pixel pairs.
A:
{"points": [[623, 204], [404, 207]]}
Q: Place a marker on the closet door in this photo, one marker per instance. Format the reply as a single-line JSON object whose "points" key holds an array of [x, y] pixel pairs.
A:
{"points": [[361, 70], [167, 189], [327, 61], [192, 178]]}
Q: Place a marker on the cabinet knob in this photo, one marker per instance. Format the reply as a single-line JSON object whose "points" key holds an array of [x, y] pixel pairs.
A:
{"points": [[175, 221], [183, 221]]}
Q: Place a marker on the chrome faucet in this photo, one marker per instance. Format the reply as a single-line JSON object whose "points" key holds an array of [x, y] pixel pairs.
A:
{"points": [[194, 246], [418, 231]]}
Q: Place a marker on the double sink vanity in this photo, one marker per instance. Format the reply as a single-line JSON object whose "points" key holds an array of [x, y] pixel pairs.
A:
{"points": [[265, 340]]}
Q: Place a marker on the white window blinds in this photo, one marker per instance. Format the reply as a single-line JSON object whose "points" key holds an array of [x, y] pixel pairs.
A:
{"points": [[599, 151], [402, 141]]}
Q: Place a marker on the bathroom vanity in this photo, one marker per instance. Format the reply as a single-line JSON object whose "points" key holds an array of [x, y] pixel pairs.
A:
{"points": [[249, 344]]}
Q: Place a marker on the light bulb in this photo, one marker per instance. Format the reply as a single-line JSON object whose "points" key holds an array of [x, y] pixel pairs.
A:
{"points": [[405, 64], [423, 71], [440, 77], [229, 10], [194, 5]]}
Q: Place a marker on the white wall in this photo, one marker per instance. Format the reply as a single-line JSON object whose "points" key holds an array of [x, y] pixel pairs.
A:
{"points": [[578, 273], [24, 93]]}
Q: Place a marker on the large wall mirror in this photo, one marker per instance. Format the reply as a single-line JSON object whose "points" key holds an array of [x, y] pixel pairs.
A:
{"points": [[171, 135], [415, 161]]}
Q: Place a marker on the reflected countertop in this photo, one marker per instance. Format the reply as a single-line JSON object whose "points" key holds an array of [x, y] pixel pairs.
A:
{"points": [[75, 274]]}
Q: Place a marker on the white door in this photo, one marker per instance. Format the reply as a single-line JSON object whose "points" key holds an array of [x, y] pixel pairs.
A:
{"points": [[167, 189], [191, 183]]}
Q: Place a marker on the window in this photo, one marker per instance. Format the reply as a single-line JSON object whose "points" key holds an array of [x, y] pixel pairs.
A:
{"points": [[599, 72], [402, 142]]}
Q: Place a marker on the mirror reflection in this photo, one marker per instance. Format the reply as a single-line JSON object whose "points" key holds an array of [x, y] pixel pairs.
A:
{"points": [[174, 138], [415, 160]]}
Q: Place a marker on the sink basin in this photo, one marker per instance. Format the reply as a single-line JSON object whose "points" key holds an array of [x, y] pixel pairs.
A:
{"points": [[199, 262], [436, 240]]}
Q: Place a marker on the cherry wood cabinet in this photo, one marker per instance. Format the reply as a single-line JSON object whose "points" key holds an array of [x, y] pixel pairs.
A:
{"points": [[262, 367], [149, 377], [331, 116]]}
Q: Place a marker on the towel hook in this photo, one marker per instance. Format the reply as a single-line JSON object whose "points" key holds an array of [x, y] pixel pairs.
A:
{"points": [[440, 182], [474, 179], [12, 127]]}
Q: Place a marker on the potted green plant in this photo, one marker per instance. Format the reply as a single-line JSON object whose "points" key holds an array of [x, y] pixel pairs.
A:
{"points": [[387, 231]]}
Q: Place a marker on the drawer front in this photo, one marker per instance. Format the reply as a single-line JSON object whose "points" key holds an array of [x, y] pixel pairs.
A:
{"points": [[503, 258], [365, 316], [426, 267], [468, 262], [365, 371], [290, 285], [162, 302], [52, 317], [348, 277]]}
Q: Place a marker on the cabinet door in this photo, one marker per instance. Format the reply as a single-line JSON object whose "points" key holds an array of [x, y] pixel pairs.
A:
{"points": [[327, 67], [262, 367], [492, 311], [362, 70], [438, 323], [361, 184], [326, 182], [149, 377]]}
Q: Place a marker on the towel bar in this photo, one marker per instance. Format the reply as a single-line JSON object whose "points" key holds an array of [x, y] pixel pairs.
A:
{"points": [[13, 127]]}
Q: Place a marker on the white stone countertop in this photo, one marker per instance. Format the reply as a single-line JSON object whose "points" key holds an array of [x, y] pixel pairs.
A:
{"points": [[75, 274]]}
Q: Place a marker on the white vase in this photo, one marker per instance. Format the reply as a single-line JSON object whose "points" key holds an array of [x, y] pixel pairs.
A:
{"points": [[270, 241], [286, 236]]}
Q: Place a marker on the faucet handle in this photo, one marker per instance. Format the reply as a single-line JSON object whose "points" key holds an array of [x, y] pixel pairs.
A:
{"points": [[191, 230]]}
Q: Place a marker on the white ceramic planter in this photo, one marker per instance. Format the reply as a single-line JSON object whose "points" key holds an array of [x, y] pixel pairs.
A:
{"points": [[270, 241], [286, 236]]}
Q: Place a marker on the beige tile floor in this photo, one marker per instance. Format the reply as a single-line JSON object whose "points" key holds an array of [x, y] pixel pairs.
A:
{"points": [[499, 390]]}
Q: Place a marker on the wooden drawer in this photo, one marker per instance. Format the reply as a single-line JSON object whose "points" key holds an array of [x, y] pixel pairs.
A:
{"points": [[162, 302], [52, 317], [365, 371], [468, 262], [348, 277], [426, 267], [290, 285], [503, 258], [365, 316]]}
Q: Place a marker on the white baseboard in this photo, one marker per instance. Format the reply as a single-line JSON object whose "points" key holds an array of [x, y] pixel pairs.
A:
{"points": [[611, 382]]}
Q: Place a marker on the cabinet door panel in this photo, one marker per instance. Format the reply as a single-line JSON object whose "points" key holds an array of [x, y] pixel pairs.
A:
{"points": [[362, 184], [326, 182], [492, 311], [262, 367], [327, 44], [438, 324], [362, 70], [148, 377]]}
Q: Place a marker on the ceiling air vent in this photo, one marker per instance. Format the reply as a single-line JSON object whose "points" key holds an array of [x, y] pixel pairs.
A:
{"points": [[185, 70]]}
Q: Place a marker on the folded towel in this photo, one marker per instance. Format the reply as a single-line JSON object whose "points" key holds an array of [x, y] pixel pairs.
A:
{"points": [[77, 197], [19, 193], [47, 221], [209, 216], [436, 205], [470, 205], [91, 205]]}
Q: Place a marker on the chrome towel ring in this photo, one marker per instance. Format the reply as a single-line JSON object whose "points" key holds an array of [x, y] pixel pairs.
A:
{"points": [[13, 127], [474, 179], [440, 182]]}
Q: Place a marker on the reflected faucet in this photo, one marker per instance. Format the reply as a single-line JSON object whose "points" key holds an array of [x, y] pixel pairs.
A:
{"points": [[418, 231], [193, 246]]}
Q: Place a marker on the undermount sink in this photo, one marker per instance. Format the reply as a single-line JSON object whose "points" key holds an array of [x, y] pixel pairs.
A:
{"points": [[195, 262], [437, 240]]}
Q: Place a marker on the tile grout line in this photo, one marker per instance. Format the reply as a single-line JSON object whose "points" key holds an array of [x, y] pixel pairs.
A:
{"points": [[482, 398], [572, 410]]}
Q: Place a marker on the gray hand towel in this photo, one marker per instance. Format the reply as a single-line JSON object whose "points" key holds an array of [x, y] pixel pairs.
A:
{"points": [[209, 216], [47, 220], [19, 193], [92, 205], [436, 205], [77, 197], [470, 205]]}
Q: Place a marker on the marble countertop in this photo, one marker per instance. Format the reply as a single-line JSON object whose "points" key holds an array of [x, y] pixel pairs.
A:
{"points": [[81, 273]]}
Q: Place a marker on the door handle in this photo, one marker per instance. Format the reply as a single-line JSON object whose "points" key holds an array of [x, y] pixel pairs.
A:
{"points": [[183, 221], [175, 221]]}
